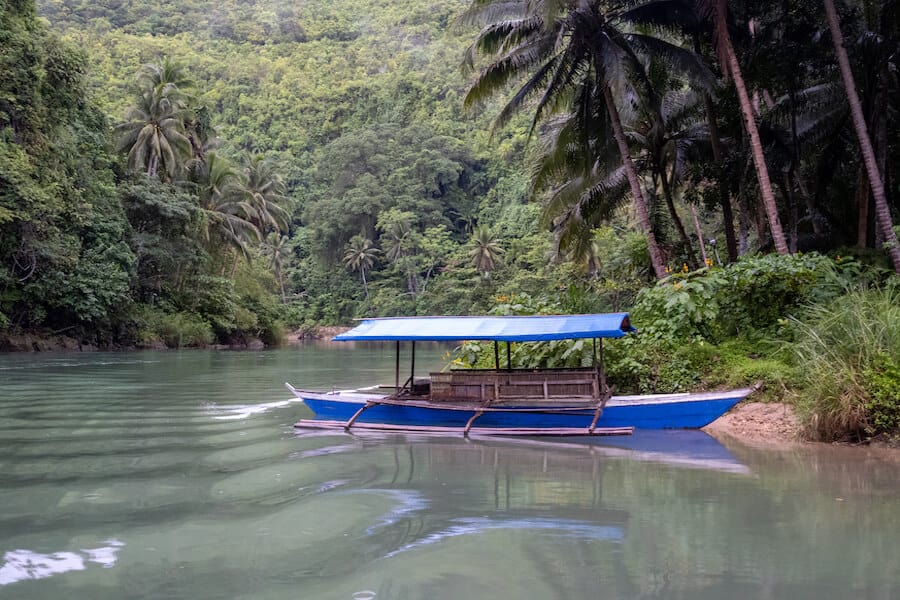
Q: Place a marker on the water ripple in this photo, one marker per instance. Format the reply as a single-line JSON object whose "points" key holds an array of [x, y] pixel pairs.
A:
{"points": [[478, 525]]}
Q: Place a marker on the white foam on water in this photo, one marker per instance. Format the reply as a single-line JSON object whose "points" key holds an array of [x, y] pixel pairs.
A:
{"points": [[242, 411], [105, 556], [22, 565]]}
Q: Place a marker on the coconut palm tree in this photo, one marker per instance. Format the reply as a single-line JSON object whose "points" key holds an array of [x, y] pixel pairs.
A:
{"points": [[717, 11], [275, 247], [396, 239], [265, 193], [579, 175], [572, 54], [360, 255], [690, 16], [153, 135], [665, 128], [876, 182], [228, 216], [485, 250], [169, 78]]}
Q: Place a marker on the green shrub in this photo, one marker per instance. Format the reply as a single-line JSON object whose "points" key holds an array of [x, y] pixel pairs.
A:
{"points": [[881, 379], [175, 330], [845, 352], [740, 300], [641, 363], [186, 329], [743, 362]]}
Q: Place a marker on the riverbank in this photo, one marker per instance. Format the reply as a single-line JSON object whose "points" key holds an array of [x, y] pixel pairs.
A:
{"points": [[319, 332], [776, 425], [48, 342], [43, 343], [60, 343], [768, 423]]}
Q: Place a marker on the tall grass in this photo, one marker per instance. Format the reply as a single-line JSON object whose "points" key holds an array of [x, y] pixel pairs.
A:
{"points": [[847, 353]]}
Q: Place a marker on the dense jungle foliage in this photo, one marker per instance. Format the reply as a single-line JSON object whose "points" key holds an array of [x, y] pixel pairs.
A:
{"points": [[195, 172]]}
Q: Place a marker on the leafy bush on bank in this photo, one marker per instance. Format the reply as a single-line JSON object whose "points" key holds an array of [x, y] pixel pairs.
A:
{"points": [[744, 299], [155, 326], [213, 310], [846, 352]]}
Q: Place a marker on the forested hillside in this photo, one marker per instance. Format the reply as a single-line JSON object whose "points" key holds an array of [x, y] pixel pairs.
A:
{"points": [[391, 187], [198, 172], [361, 113]]}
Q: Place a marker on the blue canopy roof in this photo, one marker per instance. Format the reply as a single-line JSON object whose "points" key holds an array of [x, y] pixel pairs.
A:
{"points": [[503, 329]]}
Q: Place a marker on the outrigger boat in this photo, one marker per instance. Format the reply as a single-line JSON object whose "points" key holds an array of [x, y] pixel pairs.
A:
{"points": [[506, 401]]}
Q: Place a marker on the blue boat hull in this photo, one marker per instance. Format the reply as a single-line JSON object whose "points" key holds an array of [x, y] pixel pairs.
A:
{"points": [[687, 414]]}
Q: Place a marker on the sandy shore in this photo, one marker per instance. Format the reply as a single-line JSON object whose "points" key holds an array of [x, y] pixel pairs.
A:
{"points": [[768, 423]]}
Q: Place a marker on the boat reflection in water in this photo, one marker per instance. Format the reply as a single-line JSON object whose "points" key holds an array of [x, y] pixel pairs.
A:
{"points": [[684, 448], [457, 506]]}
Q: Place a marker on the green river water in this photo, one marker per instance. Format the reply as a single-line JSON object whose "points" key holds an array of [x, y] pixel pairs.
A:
{"points": [[178, 476]]}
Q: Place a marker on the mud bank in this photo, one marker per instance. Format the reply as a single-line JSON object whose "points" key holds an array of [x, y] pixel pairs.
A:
{"points": [[769, 423]]}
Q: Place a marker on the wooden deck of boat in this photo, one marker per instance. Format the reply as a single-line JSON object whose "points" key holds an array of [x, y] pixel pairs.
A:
{"points": [[491, 431]]}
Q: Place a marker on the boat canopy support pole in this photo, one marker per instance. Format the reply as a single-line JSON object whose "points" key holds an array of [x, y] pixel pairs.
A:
{"points": [[412, 368], [603, 389], [496, 355], [508, 358], [397, 371], [601, 372]]}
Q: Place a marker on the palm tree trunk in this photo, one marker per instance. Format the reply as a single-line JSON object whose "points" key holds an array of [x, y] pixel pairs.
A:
{"points": [[679, 226], [862, 209], [715, 141], [759, 160], [640, 202], [882, 211], [700, 236], [724, 194], [785, 186], [743, 225], [281, 286]]}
